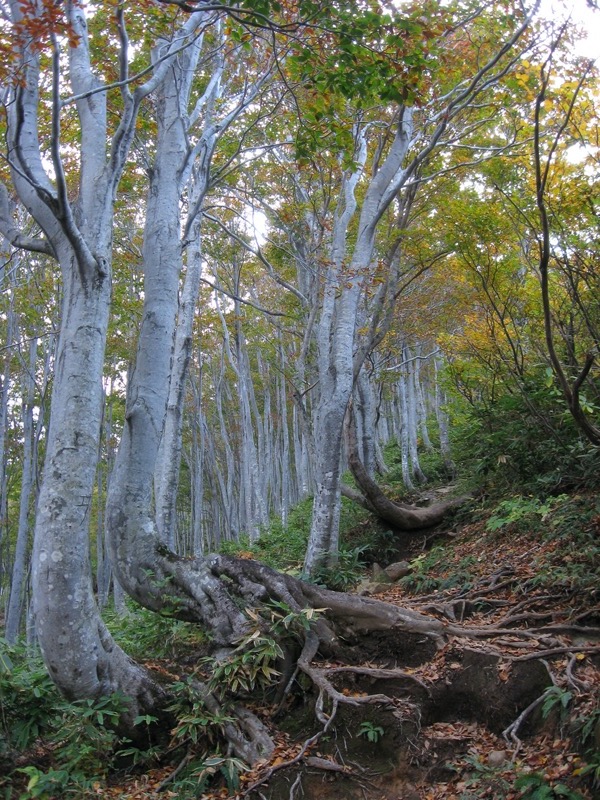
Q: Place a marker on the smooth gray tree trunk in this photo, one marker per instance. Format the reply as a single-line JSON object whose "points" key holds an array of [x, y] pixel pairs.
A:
{"points": [[79, 652], [337, 328], [15, 603], [411, 420], [5, 388]]}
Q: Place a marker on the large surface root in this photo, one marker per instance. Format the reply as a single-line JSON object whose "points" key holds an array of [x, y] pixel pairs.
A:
{"points": [[334, 647]]}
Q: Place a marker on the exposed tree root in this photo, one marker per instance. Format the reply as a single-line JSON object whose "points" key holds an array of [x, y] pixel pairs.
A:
{"points": [[558, 651], [225, 594], [511, 733]]}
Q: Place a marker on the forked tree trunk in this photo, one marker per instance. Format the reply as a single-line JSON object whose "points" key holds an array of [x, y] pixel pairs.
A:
{"points": [[337, 327], [81, 656]]}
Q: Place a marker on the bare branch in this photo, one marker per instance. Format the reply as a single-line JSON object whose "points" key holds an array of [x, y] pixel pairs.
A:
{"points": [[217, 288]]}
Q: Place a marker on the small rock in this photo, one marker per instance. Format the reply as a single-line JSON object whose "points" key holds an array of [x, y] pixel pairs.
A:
{"points": [[398, 570], [378, 574], [372, 587], [496, 758]]}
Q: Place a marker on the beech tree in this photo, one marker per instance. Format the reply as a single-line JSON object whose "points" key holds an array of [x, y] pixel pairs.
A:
{"points": [[379, 163], [68, 187]]}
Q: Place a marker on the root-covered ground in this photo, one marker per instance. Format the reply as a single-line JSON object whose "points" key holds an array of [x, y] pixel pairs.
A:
{"points": [[506, 705]]}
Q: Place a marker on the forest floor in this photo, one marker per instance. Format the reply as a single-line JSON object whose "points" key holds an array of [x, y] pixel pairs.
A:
{"points": [[510, 709], [507, 709]]}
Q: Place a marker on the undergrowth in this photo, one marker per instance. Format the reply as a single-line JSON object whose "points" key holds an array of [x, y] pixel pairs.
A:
{"points": [[569, 526], [283, 546], [51, 746], [141, 632]]}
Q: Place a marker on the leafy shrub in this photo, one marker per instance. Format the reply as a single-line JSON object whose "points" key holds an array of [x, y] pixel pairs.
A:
{"points": [[195, 720], [535, 787], [28, 697], [345, 573], [517, 509], [141, 632], [78, 739], [572, 524], [280, 546], [526, 440], [200, 773], [284, 547], [419, 580], [587, 728], [253, 664]]}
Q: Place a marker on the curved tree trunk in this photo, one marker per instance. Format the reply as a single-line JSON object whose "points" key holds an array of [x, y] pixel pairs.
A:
{"points": [[402, 516], [82, 658]]}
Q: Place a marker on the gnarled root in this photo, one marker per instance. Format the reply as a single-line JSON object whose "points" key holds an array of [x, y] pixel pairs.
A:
{"points": [[214, 591]]}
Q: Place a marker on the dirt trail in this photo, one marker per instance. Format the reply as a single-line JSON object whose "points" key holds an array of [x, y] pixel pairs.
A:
{"points": [[498, 715]]}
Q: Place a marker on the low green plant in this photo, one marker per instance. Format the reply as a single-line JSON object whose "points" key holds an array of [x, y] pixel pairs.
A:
{"points": [[141, 632], [518, 508], [370, 731], [230, 768], [431, 462], [588, 728], [80, 737], [534, 786], [85, 738], [484, 777], [556, 698], [286, 623], [419, 580], [194, 720], [283, 546], [347, 571], [201, 773], [52, 783], [83, 741], [252, 665], [524, 439], [28, 698], [574, 562]]}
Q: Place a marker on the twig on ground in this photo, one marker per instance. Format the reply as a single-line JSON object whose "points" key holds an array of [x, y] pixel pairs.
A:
{"points": [[172, 775], [557, 651]]}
